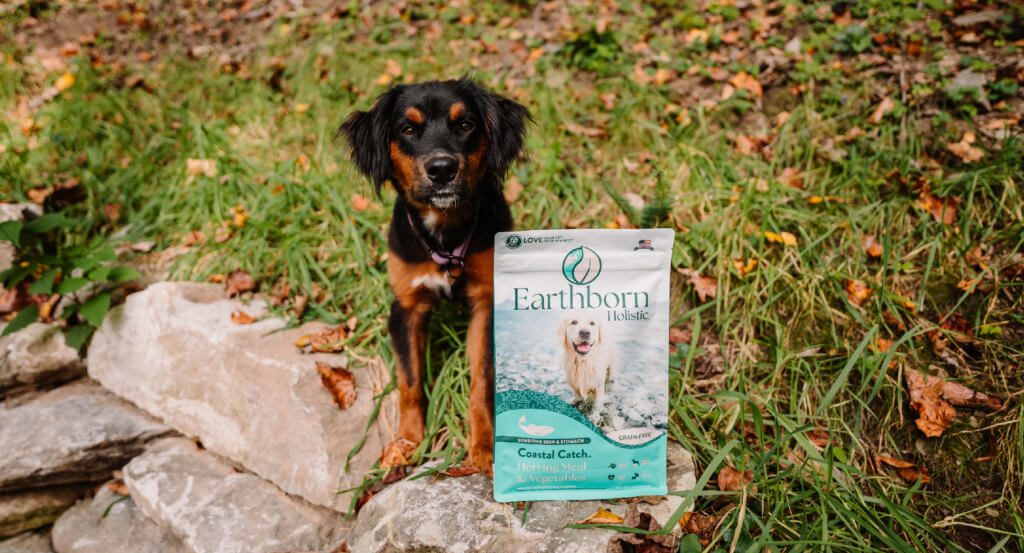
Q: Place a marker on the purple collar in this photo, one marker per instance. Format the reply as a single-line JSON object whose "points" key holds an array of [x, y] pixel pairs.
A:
{"points": [[448, 260]]}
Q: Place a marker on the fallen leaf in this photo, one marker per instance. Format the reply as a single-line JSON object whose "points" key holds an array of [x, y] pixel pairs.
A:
{"points": [[960, 395], [883, 107], [942, 209], [732, 480], [65, 81], [820, 438], [585, 131], [966, 152], [871, 246], [240, 317], [193, 237], [196, 167], [392, 68], [622, 542], [934, 413], [38, 195], [112, 211], [118, 487], [857, 292], [907, 471], [328, 340], [744, 268], [609, 100], [744, 81], [791, 176], [237, 282], [679, 335], [340, 382], [459, 472], [701, 524], [706, 287], [397, 453], [601, 517], [360, 202]]}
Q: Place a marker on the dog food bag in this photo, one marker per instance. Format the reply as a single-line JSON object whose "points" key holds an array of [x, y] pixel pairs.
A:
{"points": [[581, 363]]}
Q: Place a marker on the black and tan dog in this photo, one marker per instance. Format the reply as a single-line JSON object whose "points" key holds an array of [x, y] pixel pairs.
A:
{"points": [[446, 147]]}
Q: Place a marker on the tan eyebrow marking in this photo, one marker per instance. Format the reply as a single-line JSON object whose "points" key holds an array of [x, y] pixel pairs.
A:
{"points": [[414, 115], [456, 111]]}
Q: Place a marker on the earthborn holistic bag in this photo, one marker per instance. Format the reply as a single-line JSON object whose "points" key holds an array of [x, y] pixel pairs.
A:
{"points": [[581, 363]]}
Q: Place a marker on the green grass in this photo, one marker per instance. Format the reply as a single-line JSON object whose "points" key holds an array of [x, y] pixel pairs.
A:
{"points": [[796, 355]]}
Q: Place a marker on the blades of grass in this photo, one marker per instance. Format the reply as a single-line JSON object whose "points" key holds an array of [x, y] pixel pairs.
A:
{"points": [[840, 380]]}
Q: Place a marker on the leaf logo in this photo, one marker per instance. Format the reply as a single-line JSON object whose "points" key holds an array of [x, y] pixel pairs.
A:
{"points": [[581, 266]]}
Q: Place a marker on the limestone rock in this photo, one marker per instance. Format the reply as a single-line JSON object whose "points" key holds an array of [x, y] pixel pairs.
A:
{"points": [[214, 508], [459, 515], [76, 433], [34, 542], [248, 394], [111, 523], [35, 356], [12, 212], [30, 509]]}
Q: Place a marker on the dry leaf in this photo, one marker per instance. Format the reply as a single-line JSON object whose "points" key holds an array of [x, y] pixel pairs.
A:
{"points": [[791, 176], [193, 237], [112, 211], [646, 543], [732, 480], [907, 471], [744, 81], [966, 152], [679, 335], [585, 131], [340, 382], [871, 246], [601, 517], [857, 292], [65, 81], [392, 68], [196, 167], [820, 438], [458, 472], [958, 394], [360, 202], [118, 487], [397, 453], [744, 268], [783, 238], [943, 209], [934, 413], [38, 195], [240, 317], [706, 287], [328, 340], [701, 524], [237, 282], [883, 107], [609, 100]]}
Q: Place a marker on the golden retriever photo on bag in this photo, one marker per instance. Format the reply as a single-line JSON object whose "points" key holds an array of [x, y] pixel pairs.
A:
{"points": [[589, 359]]}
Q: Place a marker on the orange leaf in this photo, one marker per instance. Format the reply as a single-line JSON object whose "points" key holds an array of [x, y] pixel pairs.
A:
{"points": [[601, 517], [907, 471], [585, 131], [744, 268], [791, 176], [458, 472], [820, 438], [237, 282], [934, 413], [340, 382], [360, 202], [328, 340], [706, 287], [943, 209], [857, 292], [966, 152], [883, 107], [871, 246], [240, 317], [118, 487], [397, 453], [744, 81], [732, 480]]}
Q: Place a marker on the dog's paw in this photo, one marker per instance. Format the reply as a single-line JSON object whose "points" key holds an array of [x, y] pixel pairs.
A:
{"points": [[483, 461]]}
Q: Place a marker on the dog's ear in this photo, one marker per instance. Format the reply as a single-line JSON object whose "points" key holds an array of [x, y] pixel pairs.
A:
{"points": [[504, 126], [562, 327], [368, 134]]}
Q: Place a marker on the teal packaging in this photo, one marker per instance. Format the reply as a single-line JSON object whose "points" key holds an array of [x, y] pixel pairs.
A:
{"points": [[581, 363]]}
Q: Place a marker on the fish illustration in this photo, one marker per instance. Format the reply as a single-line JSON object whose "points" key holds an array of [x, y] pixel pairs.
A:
{"points": [[534, 429]]}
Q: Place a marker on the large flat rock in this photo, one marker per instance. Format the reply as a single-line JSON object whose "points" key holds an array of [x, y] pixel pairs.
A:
{"points": [[76, 433], [214, 508], [249, 395], [30, 509], [33, 542], [35, 356], [459, 515], [112, 523]]}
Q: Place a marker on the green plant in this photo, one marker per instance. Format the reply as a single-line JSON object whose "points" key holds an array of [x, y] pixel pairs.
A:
{"points": [[853, 39], [1002, 89], [594, 51], [54, 274]]}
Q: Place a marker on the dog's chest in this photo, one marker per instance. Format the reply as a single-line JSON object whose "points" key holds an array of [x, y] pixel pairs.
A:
{"points": [[437, 282]]}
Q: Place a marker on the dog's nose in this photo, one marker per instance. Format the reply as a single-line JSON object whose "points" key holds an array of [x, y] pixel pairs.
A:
{"points": [[584, 334], [442, 169]]}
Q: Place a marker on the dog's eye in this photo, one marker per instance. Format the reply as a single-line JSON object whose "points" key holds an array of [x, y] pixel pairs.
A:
{"points": [[574, 322], [466, 125], [409, 130], [591, 323]]}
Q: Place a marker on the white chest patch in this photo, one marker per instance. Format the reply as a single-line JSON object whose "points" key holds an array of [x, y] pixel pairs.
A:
{"points": [[430, 221], [437, 282]]}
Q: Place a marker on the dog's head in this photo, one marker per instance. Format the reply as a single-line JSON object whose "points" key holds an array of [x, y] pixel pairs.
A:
{"points": [[436, 140], [580, 332]]}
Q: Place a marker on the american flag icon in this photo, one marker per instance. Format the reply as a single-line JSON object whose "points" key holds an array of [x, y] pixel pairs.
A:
{"points": [[644, 245]]}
